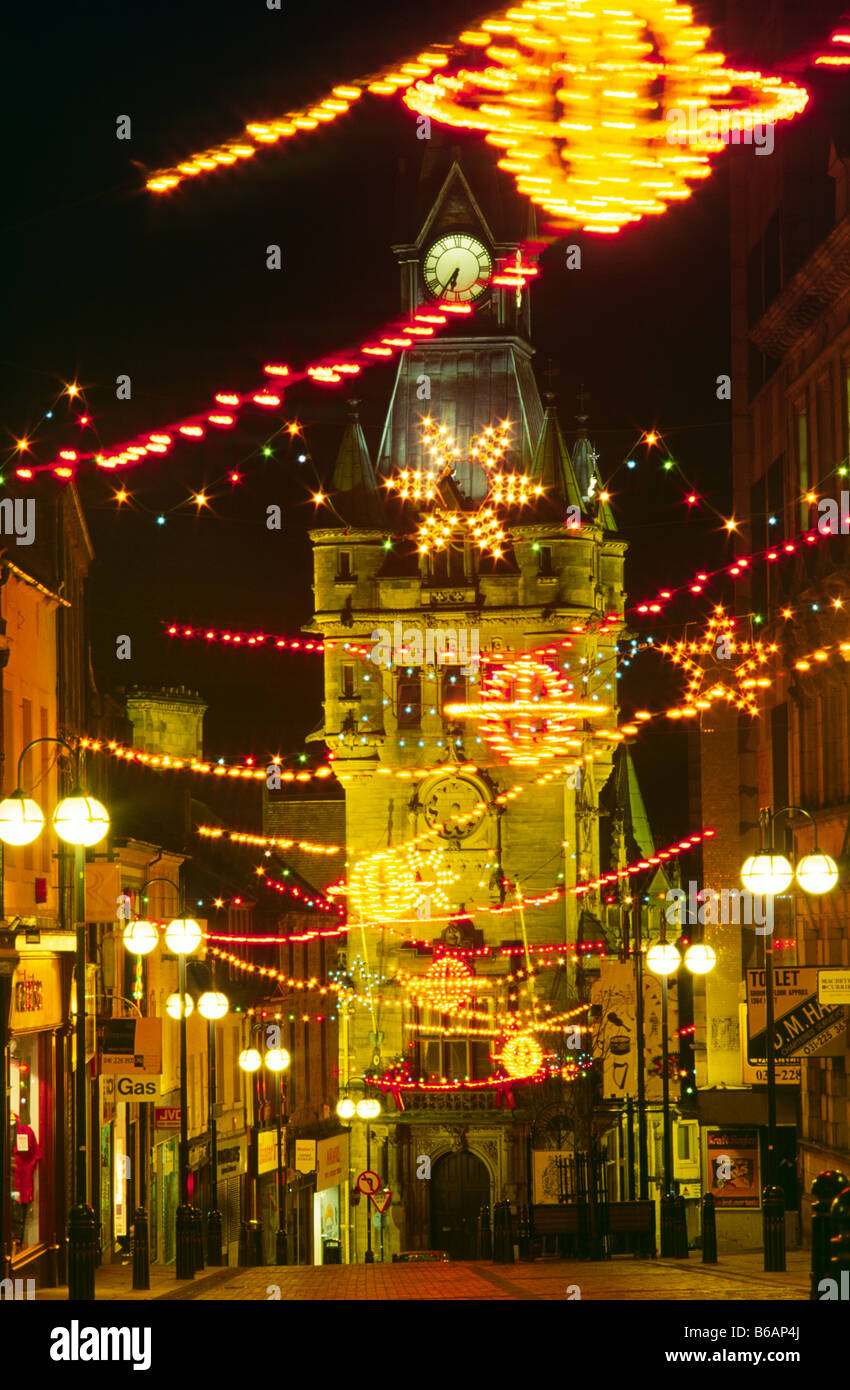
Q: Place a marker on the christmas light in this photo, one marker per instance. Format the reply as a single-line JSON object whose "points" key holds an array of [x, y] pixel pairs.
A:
{"points": [[712, 673]]}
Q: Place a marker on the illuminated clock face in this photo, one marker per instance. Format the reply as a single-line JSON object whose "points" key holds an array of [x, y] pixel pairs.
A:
{"points": [[457, 268], [456, 804]]}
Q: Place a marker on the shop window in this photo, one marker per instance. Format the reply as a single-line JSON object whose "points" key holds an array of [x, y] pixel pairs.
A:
{"points": [[26, 1154]]}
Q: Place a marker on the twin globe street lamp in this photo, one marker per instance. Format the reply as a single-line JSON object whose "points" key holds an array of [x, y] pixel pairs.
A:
{"points": [[767, 874], [369, 1108], [81, 821], [276, 1060], [664, 959]]}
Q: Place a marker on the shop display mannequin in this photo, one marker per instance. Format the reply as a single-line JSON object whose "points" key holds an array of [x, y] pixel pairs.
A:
{"points": [[26, 1155]]}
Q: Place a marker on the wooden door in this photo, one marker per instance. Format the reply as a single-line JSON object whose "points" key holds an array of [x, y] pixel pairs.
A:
{"points": [[460, 1186]]}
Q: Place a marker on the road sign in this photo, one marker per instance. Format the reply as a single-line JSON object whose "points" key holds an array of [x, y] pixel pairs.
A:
{"points": [[834, 986], [803, 1025], [368, 1182], [380, 1200]]}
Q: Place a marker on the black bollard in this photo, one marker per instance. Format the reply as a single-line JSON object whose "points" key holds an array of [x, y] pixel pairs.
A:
{"points": [[281, 1247], [509, 1236], [185, 1262], [525, 1252], [244, 1256], [214, 1239], [486, 1248], [498, 1246], [839, 1245], [667, 1225], [141, 1251], [82, 1253], [825, 1189], [199, 1239], [255, 1244], [773, 1221], [709, 1230]]}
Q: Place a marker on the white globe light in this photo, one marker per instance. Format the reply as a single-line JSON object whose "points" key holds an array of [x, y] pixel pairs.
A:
{"points": [[172, 1005], [368, 1109], [250, 1059], [183, 936], [766, 874], [346, 1108], [140, 937], [700, 959], [21, 820], [663, 958], [80, 820], [213, 1005], [277, 1059], [816, 873]]}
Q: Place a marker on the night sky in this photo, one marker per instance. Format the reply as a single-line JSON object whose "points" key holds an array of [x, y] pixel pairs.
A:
{"points": [[103, 278]]}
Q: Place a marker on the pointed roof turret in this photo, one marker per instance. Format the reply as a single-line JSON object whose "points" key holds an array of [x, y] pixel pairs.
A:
{"points": [[357, 497], [586, 460], [551, 465]]}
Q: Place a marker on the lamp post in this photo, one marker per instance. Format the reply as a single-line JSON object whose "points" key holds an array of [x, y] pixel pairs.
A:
{"points": [[81, 821], [213, 1006], [663, 959], [276, 1060], [766, 874], [140, 938], [368, 1109]]}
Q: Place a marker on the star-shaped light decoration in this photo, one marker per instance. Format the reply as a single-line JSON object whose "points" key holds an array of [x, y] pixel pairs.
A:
{"points": [[720, 666]]}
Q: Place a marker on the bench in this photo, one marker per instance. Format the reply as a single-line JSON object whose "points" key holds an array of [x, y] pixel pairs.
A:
{"points": [[631, 1225]]}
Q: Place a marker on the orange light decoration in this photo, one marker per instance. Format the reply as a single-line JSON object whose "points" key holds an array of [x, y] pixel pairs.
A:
{"points": [[527, 714], [713, 674], [163, 762], [521, 1056], [446, 984], [580, 96], [397, 882]]}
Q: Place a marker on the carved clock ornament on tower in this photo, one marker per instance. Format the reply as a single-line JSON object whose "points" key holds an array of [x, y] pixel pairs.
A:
{"points": [[457, 268], [455, 803]]}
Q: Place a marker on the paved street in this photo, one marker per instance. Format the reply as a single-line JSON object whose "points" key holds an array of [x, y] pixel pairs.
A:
{"points": [[622, 1280]]}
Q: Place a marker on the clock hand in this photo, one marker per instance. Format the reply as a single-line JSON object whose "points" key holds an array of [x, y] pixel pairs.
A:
{"points": [[451, 283]]}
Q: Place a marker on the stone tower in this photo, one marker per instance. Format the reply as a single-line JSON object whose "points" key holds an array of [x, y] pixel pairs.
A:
{"points": [[450, 1138], [169, 721]]}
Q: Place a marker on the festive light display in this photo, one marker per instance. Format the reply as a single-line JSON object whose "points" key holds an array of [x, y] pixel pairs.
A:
{"points": [[720, 666], [163, 762], [526, 714], [521, 1056], [397, 882], [255, 639], [578, 96], [239, 837], [447, 982]]}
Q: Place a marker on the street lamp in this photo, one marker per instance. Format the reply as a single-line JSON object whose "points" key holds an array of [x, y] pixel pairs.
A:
{"points": [[766, 874], [140, 938], [276, 1060], [213, 1006], [664, 959], [369, 1108], [81, 821]]}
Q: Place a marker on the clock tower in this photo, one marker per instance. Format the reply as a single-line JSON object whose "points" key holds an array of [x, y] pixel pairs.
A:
{"points": [[461, 852], [465, 230]]}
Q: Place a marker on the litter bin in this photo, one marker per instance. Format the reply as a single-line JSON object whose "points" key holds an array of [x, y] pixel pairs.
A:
{"points": [[331, 1252]]}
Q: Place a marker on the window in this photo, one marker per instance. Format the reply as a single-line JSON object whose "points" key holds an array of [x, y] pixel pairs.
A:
{"points": [[409, 707], [447, 566], [544, 560], [348, 682], [345, 570], [453, 690], [823, 402], [801, 431]]}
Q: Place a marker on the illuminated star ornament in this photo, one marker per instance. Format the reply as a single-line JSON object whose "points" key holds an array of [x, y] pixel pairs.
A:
{"points": [[446, 526], [588, 101], [720, 667]]}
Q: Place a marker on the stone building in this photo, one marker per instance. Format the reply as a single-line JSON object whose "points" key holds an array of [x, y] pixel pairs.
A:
{"points": [[454, 1132], [168, 721]]}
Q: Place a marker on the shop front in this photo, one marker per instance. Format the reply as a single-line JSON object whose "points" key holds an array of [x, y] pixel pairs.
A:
{"points": [[332, 1162], [38, 1096], [268, 1189]]}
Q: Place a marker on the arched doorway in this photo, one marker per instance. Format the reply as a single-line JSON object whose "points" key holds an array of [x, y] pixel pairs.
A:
{"points": [[460, 1186]]}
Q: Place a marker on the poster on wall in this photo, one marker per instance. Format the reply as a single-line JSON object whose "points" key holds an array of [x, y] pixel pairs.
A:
{"points": [[613, 1000], [733, 1167], [545, 1173], [329, 1212]]}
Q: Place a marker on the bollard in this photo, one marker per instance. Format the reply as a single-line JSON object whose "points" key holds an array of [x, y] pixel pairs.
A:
{"points": [[214, 1239], [255, 1244], [281, 1247], [243, 1258], [141, 1251], [525, 1252], [485, 1236], [498, 1244], [198, 1248], [185, 1261], [709, 1230], [82, 1253], [825, 1189], [667, 1221], [773, 1221], [839, 1245], [509, 1236]]}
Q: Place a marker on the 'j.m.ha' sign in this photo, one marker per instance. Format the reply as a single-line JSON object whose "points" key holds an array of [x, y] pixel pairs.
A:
{"points": [[802, 1025]]}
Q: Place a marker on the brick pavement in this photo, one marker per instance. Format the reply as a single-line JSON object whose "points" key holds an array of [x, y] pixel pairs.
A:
{"points": [[735, 1277]]}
